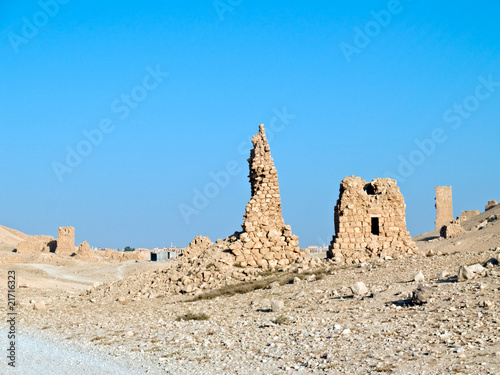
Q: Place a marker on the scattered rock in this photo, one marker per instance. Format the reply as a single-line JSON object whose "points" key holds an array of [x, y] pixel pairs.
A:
{"points": [[359, 289], [487, 304], [465, 273], [419, 277], [476, 268], [443, 275], [491, 263], [277, 305], [421, 295], [39, 306]]}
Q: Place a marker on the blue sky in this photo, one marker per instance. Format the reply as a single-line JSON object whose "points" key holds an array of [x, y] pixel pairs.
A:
{"points": [[116, 116]]}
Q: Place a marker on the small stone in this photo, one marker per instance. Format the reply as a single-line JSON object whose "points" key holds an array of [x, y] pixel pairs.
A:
{"points": [[346, 331], [465, 273], [359, 288], [443, 275], [296, 280], [311, 278], [476, 268], [277, 305], [419, 277], [487, 304], [129, 334], [492, 262], [274, 284], [421, 295], [39, 306]]}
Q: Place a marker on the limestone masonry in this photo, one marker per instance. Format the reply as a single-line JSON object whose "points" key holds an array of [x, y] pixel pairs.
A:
{"points": [[265, 241], [369, 221], [65, 240], [444, 206]]}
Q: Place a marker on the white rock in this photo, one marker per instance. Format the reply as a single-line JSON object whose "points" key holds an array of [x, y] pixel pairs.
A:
{"points": [[419, 277], [476, 268], [443, 275], [277, 305], [465, 273], [359, 288]]}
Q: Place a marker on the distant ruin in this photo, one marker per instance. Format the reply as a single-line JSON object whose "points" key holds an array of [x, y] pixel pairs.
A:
{"points": [[265, 241], [65, 241], [490, 204], [369, 221], [444, 206]]}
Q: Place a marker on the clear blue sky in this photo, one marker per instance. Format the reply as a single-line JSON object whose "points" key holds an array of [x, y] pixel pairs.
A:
{"points": [[172, 91]]}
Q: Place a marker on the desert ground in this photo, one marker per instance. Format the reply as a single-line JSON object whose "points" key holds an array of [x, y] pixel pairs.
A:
{"points": [[109, 318]]}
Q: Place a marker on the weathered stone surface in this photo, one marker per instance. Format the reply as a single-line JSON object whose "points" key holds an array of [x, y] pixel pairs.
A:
{"points": [[465, 273], [263, 227], [65, 241], [359, 289], [36, 245], [197, 245], [369, 221], [444, 206], [452, 229], [421, 295]]}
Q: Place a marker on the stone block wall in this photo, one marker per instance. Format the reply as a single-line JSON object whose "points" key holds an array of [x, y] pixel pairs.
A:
{"points": [[370, 221]]}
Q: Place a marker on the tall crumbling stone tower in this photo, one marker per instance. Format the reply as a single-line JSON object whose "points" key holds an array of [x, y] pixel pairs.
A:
{"points": [[444, 206], [265, 241], [369, 221], [65, 241]]}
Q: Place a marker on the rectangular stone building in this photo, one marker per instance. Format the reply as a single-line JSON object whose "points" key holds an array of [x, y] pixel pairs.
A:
{"points": [[369, 221]]}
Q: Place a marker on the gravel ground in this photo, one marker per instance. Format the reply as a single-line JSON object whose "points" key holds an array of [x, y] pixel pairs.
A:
{"points": [[39, 355], [322, 327]]}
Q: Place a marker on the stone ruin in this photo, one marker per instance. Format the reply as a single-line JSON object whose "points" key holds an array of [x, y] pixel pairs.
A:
{"points": [[369, 221], [466, 215], [444, 207], [36, 245], [197, 245], [451, 229], [490, 204], [65, 241], [265, 240]]}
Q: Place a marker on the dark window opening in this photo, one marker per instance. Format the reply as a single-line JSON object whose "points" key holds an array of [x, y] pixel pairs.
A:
{"points": [[375, 226], [370, 190]]}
